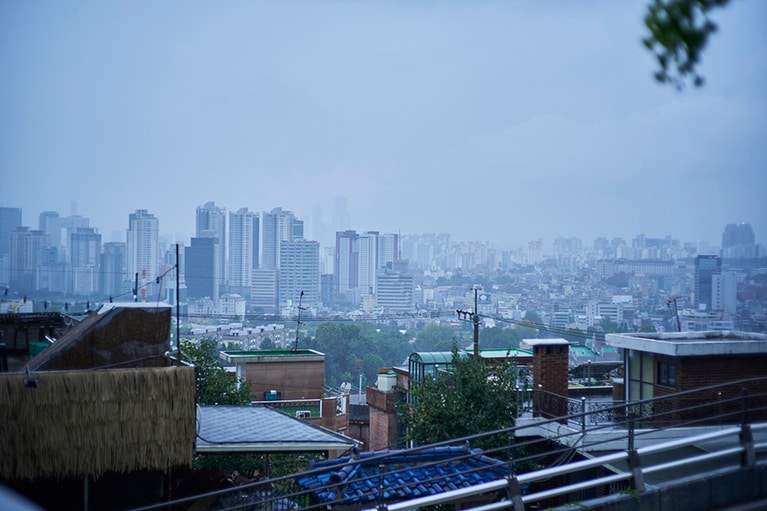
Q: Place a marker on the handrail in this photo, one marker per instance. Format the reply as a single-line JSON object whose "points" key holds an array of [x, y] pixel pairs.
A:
{"points": [[601, 461], [526, 465]]}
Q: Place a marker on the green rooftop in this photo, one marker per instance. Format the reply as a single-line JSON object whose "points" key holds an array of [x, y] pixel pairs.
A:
{"points": [[261, 356], [272, 353]]}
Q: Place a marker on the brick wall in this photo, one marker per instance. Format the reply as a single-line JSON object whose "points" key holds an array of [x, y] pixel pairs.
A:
{"points": [[383, 418], [293, 380], [550, 372], [698, 372]]}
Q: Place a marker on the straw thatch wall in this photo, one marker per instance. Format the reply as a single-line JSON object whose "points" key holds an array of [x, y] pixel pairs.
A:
{"points": [[90, 422]]}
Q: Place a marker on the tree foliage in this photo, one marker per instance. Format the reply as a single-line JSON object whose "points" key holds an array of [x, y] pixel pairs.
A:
{"points": [[215, 385], [679, 30], [473, 397]]}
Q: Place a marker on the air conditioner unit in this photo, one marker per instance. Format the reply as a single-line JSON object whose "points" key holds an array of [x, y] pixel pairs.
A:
{"points": [[303, 414]]}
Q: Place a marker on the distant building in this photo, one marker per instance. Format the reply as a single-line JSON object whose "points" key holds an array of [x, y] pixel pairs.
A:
{"points": [[112, 268], [706, 266], [264, 290], [26, 249], [396, 291], [739, 242], [200, 272], [276, 226], [143, 251], [243, 249], [299, 272], [211, 223], [724, 293], [10, 220], [85, 260]]}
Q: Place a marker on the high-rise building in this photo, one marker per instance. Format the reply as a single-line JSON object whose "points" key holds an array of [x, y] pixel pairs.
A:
{"points": [[299, 272], [143, 252], [278, 225], [243, 249], [396, 291], [264, 291], [346, 260], [201, 262], [26, 250], [50, 224], [112, 269], [359, 257], [738, 241], [84, 258], [724, 293], [705, 268], [211, 223], [10, 220]]}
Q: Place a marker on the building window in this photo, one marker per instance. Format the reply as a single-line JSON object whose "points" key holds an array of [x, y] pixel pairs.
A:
{"points": [[666, 374]]}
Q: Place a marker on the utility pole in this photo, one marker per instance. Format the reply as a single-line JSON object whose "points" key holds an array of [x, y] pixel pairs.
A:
{"points": [[298, 320], [462, 314], [178, 309]]}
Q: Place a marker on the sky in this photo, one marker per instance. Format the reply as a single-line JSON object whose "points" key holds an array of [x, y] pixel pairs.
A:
{"points": [[490, 120]]}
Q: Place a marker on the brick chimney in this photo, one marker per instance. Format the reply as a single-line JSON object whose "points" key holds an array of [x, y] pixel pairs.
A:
{"points": [[550, 366]]}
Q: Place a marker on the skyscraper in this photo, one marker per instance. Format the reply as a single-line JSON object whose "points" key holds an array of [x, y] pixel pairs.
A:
{"points": [[211, 223], [738, 241], [143, 251], [359, 257], [705, 268], [200, 263], [112, 267], [50, 224], [10, 220], [346, 261], [299, 272], [243, 249], [278, 225], [26, 249], [85, 257]]}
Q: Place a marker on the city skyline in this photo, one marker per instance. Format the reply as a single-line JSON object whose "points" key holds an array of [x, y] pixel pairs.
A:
{"points": [[489, 121], [172, 236]]}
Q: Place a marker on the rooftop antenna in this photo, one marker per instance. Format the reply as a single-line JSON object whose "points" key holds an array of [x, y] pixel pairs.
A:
{"points": [[298, 320], [673, 300]]}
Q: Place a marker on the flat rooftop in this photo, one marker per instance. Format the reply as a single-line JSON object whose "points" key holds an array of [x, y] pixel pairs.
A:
{"points": [[692, 344], [262, 356]]}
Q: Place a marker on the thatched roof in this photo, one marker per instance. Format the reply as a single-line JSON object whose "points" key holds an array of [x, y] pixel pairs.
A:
{"points": [[89, 422]]}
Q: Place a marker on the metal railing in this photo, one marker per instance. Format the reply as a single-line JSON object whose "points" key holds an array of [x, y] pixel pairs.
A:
{"points": [[546, 469]]}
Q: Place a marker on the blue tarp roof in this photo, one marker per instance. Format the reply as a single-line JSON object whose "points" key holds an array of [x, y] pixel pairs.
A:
{"points": [[407, 474]]}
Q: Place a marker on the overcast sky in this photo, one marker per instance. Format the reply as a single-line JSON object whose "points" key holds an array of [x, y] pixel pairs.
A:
{"points": [[504, 121]]}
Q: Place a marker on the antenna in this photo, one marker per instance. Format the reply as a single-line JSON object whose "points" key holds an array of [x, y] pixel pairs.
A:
{"points": [[673, 300], [298, 320]]}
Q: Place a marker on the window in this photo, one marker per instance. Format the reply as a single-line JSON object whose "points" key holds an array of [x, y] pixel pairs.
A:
{"points": [[666, 374]]}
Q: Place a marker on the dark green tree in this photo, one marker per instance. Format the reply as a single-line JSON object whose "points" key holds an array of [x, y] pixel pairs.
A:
{"points": [[435, 337], [215, 385], [474, 397], [678, 33]]}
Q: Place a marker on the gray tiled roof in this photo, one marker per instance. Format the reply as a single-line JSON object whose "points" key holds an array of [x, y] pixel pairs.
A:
{"points": [[261, 429]]}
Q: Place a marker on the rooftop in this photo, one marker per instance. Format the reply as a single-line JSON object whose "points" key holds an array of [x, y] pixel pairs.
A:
{"points": [[692, 344], [271, 356], [261, 429]]}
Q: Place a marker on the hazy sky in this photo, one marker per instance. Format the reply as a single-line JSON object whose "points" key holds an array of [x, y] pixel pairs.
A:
{"points": [[491, 120]]}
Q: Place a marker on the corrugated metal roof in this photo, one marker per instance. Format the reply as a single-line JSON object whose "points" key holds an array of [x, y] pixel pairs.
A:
{"points": [[261, 429]]}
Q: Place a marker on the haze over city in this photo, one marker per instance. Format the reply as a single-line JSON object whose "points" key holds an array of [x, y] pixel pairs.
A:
{"points": [[492, 121]]}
